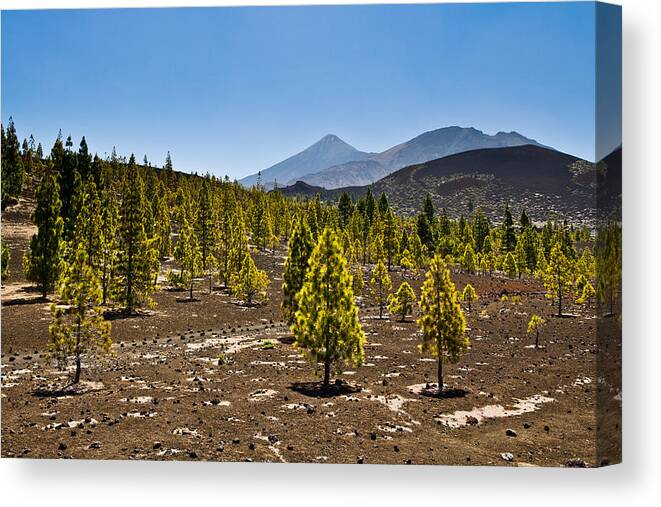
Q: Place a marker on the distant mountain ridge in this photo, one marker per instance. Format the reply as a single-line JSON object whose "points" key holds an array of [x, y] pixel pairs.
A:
{"points": [[332, 163], [329, 151], [537, 179], [428, 146]]}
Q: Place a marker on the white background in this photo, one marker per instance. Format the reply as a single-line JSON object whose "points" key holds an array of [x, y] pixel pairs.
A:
{"points": [[636, 482]]}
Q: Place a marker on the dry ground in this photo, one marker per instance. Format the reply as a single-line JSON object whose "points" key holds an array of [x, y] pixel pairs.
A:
{"points": [[162, 394]]}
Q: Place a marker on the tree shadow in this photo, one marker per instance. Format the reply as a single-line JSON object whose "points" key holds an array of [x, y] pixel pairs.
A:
{"points": [[78, 389], [188, 300], [448, 393], [24, 301], [122, 314], [319, 390]]}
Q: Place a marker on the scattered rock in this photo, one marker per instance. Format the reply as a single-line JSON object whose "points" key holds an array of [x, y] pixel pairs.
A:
{"points": [[95, 445], [62, 446], [157, 445], [507, 456], [510, 432]]}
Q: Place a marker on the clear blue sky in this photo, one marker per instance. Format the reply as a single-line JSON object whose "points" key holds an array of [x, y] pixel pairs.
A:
{"points": [[234, 90]]}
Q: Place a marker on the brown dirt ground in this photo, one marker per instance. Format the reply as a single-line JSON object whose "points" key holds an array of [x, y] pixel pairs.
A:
{"points": [[163, 395]]}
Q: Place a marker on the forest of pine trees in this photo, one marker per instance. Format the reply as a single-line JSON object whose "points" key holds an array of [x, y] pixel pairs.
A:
{"points": [[106, 227]]}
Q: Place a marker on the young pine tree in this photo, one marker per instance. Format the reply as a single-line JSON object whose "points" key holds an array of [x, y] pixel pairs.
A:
{"points": [[469, 295], [43, 263], [251, 284], [534, 326], [401, 302], [559, 276], [296, 267], [327, 327], [509, 265], [78, 326], [442, 321], [468, 260], [381, 286]]}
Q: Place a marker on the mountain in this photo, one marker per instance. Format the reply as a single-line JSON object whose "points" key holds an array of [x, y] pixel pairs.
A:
{"points": [[531, 177], [330, 150], [428, 146]]}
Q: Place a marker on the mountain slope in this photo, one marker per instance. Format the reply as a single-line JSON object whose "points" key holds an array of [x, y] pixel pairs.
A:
{"points": [[328, 151], [428, 146]]}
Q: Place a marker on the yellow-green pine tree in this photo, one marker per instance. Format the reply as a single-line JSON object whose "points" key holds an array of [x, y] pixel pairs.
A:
{"points": [[327, 327], [78, 325], [381, 286], [442, 322], [401, 302]]}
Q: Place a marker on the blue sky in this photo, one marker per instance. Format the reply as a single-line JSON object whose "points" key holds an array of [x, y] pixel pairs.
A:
{"points": [[234, 90]]}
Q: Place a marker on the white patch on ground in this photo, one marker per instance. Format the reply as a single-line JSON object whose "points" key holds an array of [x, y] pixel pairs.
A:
{"points": [[138, 399], [394, 402], [185, 432], [262, 394], [460, 418]]}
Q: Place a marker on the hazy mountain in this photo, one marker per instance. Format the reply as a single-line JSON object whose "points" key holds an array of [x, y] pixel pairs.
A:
{"points": [[428, 146], [539, 179], [328, 151]]}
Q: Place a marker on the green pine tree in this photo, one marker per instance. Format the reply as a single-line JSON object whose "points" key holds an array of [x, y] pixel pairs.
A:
{"points": [[327, 327], [250, 284], [296, 267], [43, 263], [442, 322], [138, 256], [77, 325], [381, 286], [401, 302]]}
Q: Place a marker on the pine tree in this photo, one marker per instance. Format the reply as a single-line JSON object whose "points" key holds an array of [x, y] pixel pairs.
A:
{"points": [[327, 327], [428, 210], [469, 295], [442, 321], [162, 223], [109, 247], [401, 302], [389, 235], [381, 286], [508, 234], [43, 263], [559, 276], [534, 325], [587, 293], [296, 267], [205, 224], [137, 252], [406, 261], [187, 252], [13, 172], [509, 265], [250, 284], [608, 260], [468, 260], [88, 226], [345, 209], [80, 327]]}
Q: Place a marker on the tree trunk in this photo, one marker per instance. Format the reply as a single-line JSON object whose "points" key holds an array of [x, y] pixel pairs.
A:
{"points": [[440, 375], [76, 378], [537, 340], [560, 303], [326, 373]]}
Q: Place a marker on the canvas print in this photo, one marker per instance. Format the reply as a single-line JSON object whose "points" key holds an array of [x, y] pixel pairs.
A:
{"points": [[370, 234]]}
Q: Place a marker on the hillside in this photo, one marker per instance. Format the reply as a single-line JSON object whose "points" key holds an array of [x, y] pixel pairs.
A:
{"points": [[540, 179]]}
